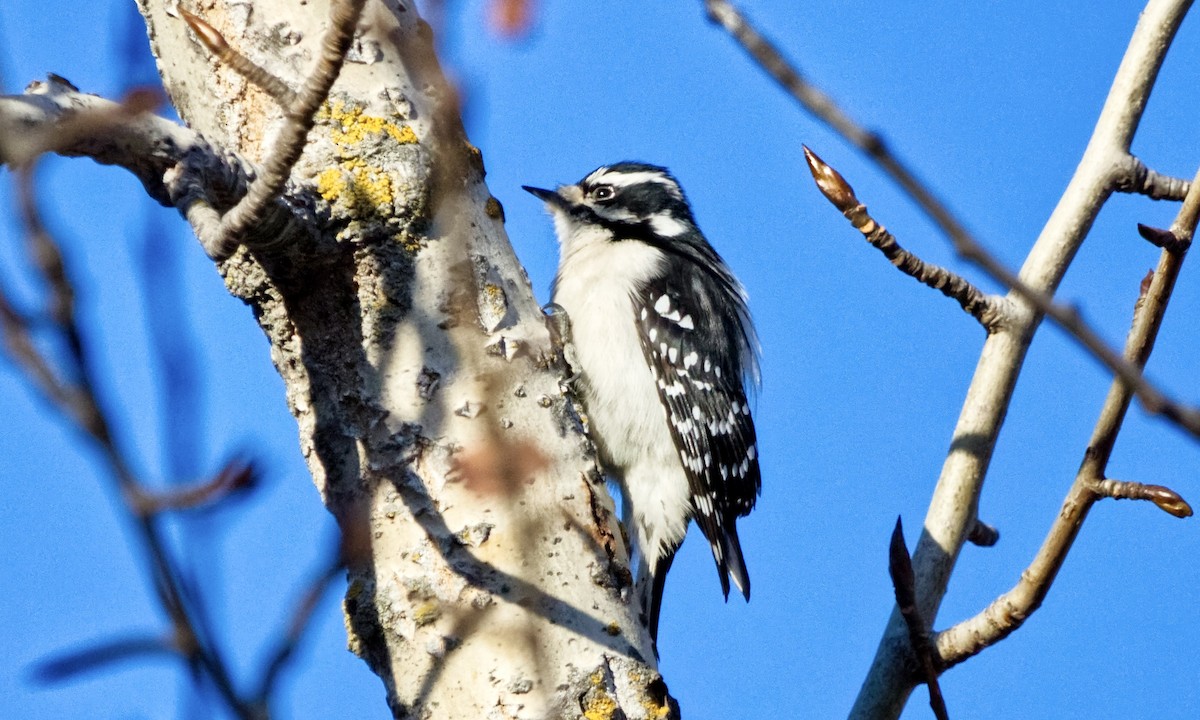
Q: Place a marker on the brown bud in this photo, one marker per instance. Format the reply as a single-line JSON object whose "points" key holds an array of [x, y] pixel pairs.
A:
{"points": [[207, 33], [830, 182], [1168, 500], [1164, 239], [901, 569]]}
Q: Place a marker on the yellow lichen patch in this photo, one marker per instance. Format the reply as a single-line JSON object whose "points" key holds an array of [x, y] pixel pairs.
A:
{"points": [[409, 242], [599, 705], [352, 126], [363, 188], [612, 629], [494, 209], [426, 613], [655, 709], [331, 184]]}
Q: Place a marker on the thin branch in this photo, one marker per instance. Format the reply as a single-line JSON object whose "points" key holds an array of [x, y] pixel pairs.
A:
{"points": [[78, 399], [983, 535], [100, 656], [904, 583], [1132, 176], [289, 142], [235, 477], [239, 63], [825, 109], [1154, 401], [984, 308], [1010, 610], [53, 116], [988, 310], [300, 622]]}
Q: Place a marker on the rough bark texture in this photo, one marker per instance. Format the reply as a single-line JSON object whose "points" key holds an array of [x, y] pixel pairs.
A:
{"points": [[417, 365]]}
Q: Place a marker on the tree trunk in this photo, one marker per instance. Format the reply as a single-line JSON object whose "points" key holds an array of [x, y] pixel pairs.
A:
{"points": [[488, 577]]}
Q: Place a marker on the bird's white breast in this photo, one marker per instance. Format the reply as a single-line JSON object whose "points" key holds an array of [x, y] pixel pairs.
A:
{"points": [[596, 284]]}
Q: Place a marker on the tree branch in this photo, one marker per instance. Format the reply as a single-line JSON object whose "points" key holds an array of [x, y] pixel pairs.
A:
{"points": [[289, 143], [988, 310], [262, 78], [1132, 176], [75, 395], [953, 507], [825, 109], [1010, 610]]}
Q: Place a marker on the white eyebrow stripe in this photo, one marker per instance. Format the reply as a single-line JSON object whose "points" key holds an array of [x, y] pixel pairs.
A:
{"points": [[626, 179]]}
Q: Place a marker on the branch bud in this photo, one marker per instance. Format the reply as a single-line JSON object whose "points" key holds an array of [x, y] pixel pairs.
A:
{"points": [[1164, 497], [1168, 500], [830, 182], [1165, 239], [207, 33]]}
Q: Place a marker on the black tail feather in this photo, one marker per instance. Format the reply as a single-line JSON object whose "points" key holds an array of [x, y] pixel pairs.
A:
{"points": [[734, 565], [653, 605]]}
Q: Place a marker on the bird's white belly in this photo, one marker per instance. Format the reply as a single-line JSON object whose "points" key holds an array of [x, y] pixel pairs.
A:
{"points": [[627, 420]]}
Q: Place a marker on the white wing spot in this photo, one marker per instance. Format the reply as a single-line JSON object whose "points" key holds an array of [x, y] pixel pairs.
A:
{"points": [[673, 355], [691, 359], [686, 323], [653, 334], [662, 305]]}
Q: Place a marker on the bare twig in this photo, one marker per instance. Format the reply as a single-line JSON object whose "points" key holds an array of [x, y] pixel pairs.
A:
{"points": [[988, 310], [983, 535], [236, 476], [239, 63], [53, 116], [289, 142], [99, 656], [1009, 611], [300, 622], [76, 396], [904, 583], [825, 109], [1132, 176]]}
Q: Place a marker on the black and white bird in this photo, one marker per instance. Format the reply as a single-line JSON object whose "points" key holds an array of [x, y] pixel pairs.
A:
{"points": [[665, 347]]}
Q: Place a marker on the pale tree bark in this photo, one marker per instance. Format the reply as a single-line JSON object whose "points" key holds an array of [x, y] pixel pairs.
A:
{"points": [[488, 577]]}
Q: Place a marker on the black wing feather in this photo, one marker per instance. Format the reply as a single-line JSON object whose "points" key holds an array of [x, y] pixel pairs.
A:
{"points": [[707, 408]]}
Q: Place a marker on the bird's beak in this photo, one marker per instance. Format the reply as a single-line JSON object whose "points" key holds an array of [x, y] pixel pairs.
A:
{"points": [[549, 197]]}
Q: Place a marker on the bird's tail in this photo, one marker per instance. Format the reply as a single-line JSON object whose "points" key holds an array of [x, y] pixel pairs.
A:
{"points": [[730, 563], [651, 584]]}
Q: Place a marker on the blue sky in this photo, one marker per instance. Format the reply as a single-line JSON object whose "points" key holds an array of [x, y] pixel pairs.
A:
{"points": [[864, 370]]}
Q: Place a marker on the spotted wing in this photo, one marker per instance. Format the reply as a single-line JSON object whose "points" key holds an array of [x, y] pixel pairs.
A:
{"points": [[709, 417]]}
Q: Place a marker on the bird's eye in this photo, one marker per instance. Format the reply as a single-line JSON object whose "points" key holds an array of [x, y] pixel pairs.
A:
{"points": [[602, 193]]}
